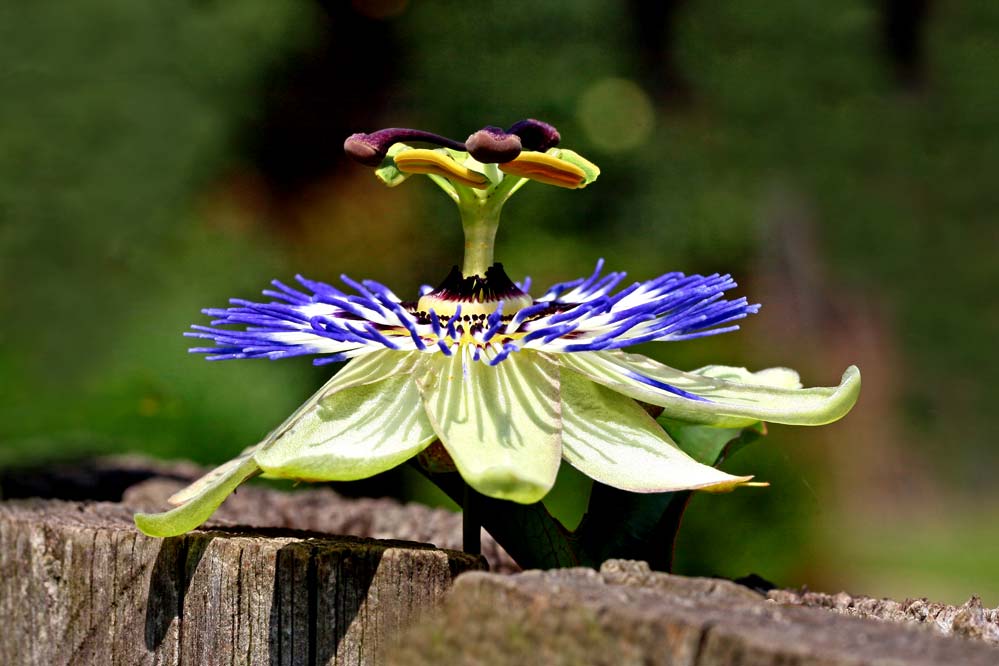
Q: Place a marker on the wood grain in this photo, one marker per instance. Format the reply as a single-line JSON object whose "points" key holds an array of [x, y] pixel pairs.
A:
{"points": [[79, 585], [626, 615]]}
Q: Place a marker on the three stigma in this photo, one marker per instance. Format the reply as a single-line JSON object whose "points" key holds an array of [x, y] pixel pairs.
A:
{"points": [[522, 150]]}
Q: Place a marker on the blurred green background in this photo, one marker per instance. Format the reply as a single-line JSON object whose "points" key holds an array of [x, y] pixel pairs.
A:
{"points": [[839, 159]]}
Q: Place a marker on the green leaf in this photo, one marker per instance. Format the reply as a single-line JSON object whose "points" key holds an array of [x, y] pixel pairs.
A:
{"points": [[569, 497], [500, 423], [726, 403], [625, 525], [710, 445]]}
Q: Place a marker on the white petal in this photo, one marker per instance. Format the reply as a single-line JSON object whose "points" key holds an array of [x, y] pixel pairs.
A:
{"points": [[352, 434], [727, 403], [610, 438], [501, 424], [370, 368]]}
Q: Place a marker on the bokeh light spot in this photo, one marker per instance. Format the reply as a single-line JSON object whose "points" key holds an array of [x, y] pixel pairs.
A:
{"points": [[616, 114]]}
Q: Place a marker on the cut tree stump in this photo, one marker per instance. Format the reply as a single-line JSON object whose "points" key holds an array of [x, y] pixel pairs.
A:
{"points": [[265, 583], [142, 484], [970, 620], [80, 586], [626, 615]]}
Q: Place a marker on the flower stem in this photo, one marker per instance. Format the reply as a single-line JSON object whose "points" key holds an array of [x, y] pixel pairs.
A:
{"points": [[471, 526], [480, 220], [480, 216]]}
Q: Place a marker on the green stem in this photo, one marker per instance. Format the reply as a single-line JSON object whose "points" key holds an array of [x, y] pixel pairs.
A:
{"points": [[480, 215], [471, 525], [527, 532], [480, 220], [505, 189]]}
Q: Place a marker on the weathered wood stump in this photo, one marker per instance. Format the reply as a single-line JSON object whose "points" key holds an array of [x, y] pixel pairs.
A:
{"points": [[626, 615], [265, 583], [79, 585], [144, 485], [970, 620]]}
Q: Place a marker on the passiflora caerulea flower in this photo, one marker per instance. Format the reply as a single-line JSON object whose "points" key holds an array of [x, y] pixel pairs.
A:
{"points": [[510, 385]]}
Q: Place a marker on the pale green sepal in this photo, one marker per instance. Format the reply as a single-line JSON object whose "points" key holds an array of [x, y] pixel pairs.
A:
{"points": [[388, 172], [779, 377], [501, 424], [200, 499], [361, 371], [189, 492], [610, 438], [352, 434], [367, 369], [591, 170], [709, 444], [726, 404]]}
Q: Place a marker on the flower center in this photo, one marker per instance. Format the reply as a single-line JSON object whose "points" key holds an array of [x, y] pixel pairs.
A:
{"points": [[477, 295]]}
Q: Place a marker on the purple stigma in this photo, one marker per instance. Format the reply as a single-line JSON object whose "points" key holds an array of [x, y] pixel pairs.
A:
{"points": [[371, 149], [535, 134], [491, 145]]}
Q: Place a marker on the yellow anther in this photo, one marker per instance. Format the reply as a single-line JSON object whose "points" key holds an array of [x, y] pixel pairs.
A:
{"points": [[421, 160], [545, 169]]}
